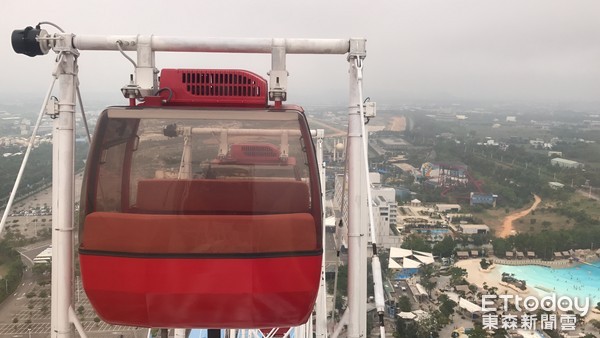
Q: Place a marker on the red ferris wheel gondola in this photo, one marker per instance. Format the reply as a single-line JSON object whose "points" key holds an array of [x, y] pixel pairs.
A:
{"points": [[201, 208]]}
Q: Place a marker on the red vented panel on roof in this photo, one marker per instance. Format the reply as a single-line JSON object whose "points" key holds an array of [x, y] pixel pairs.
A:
{"points": [[214, 87]]}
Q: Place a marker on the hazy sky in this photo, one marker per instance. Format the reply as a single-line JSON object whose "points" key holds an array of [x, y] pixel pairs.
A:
{"points": [[529, 50]]}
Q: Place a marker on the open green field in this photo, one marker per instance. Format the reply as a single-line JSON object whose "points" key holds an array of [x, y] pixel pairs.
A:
{"points": [[591, 206], [493, 218], [542, 219]]}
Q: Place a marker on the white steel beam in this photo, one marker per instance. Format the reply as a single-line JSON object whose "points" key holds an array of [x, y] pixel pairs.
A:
{"points": [[213, 45], [357, 277], [278, 74], [145, 73], [321, 304], [63, 198]]}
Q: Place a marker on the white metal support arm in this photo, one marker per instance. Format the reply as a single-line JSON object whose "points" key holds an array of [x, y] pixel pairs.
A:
{"points": [[214, 45], [357, 245]]}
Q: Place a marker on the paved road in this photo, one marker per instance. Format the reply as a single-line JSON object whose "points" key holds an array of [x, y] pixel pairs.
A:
{"points": [[11, 305], [336, 131]]}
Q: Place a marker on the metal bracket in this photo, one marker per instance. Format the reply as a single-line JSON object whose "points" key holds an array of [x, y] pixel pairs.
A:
{"points": [[278, 74], [145, 81], [131, 90], [284, 146], [223, 145], [357, 49], [145, 72], [64, 43], [52, 107], [370, 109]]}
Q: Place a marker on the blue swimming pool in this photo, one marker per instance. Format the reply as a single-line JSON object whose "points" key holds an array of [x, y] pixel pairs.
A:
{"points": [[578, 281], [433, 231]]}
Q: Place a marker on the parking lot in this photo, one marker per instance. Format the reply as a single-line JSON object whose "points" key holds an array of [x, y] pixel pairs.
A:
{"points": [[91, 329], [33, 316], [26, 313]]}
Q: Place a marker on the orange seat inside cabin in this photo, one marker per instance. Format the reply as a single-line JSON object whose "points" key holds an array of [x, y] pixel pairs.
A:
{"points": [[208, 217]]}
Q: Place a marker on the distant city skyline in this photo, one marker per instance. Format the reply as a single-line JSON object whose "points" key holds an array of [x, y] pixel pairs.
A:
{"points": [[511, 50]]}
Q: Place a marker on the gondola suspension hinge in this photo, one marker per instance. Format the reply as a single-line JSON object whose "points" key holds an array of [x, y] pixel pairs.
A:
{"points": [[278, 74], [131, 90], [145, 81]]}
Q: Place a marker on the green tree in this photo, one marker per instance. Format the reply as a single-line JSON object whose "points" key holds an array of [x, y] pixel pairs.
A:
{"points": [[477, 332], [40, 270], [484, 264], [44, 309], [406, 329], [404, 304], [457, 275], [447, 305], [444, 248], [415, 242], [501, 246], [426, 272]]}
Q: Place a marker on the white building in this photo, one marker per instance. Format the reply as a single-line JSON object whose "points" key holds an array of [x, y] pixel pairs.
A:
{"points": [[564, 163], [537, 143], [474, 229], [408, 259], [447, 207], [385, 213], [44, 257], [556, 185]]}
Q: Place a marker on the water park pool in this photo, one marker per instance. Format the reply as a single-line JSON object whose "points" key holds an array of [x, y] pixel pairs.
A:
{"points": [[580, 281]]}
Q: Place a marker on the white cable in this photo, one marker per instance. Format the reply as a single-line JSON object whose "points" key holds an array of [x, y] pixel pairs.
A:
{"points": [[119, 43], [375, 263], [85, 124], [51, 24], [358, 65], [29, 146]]}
